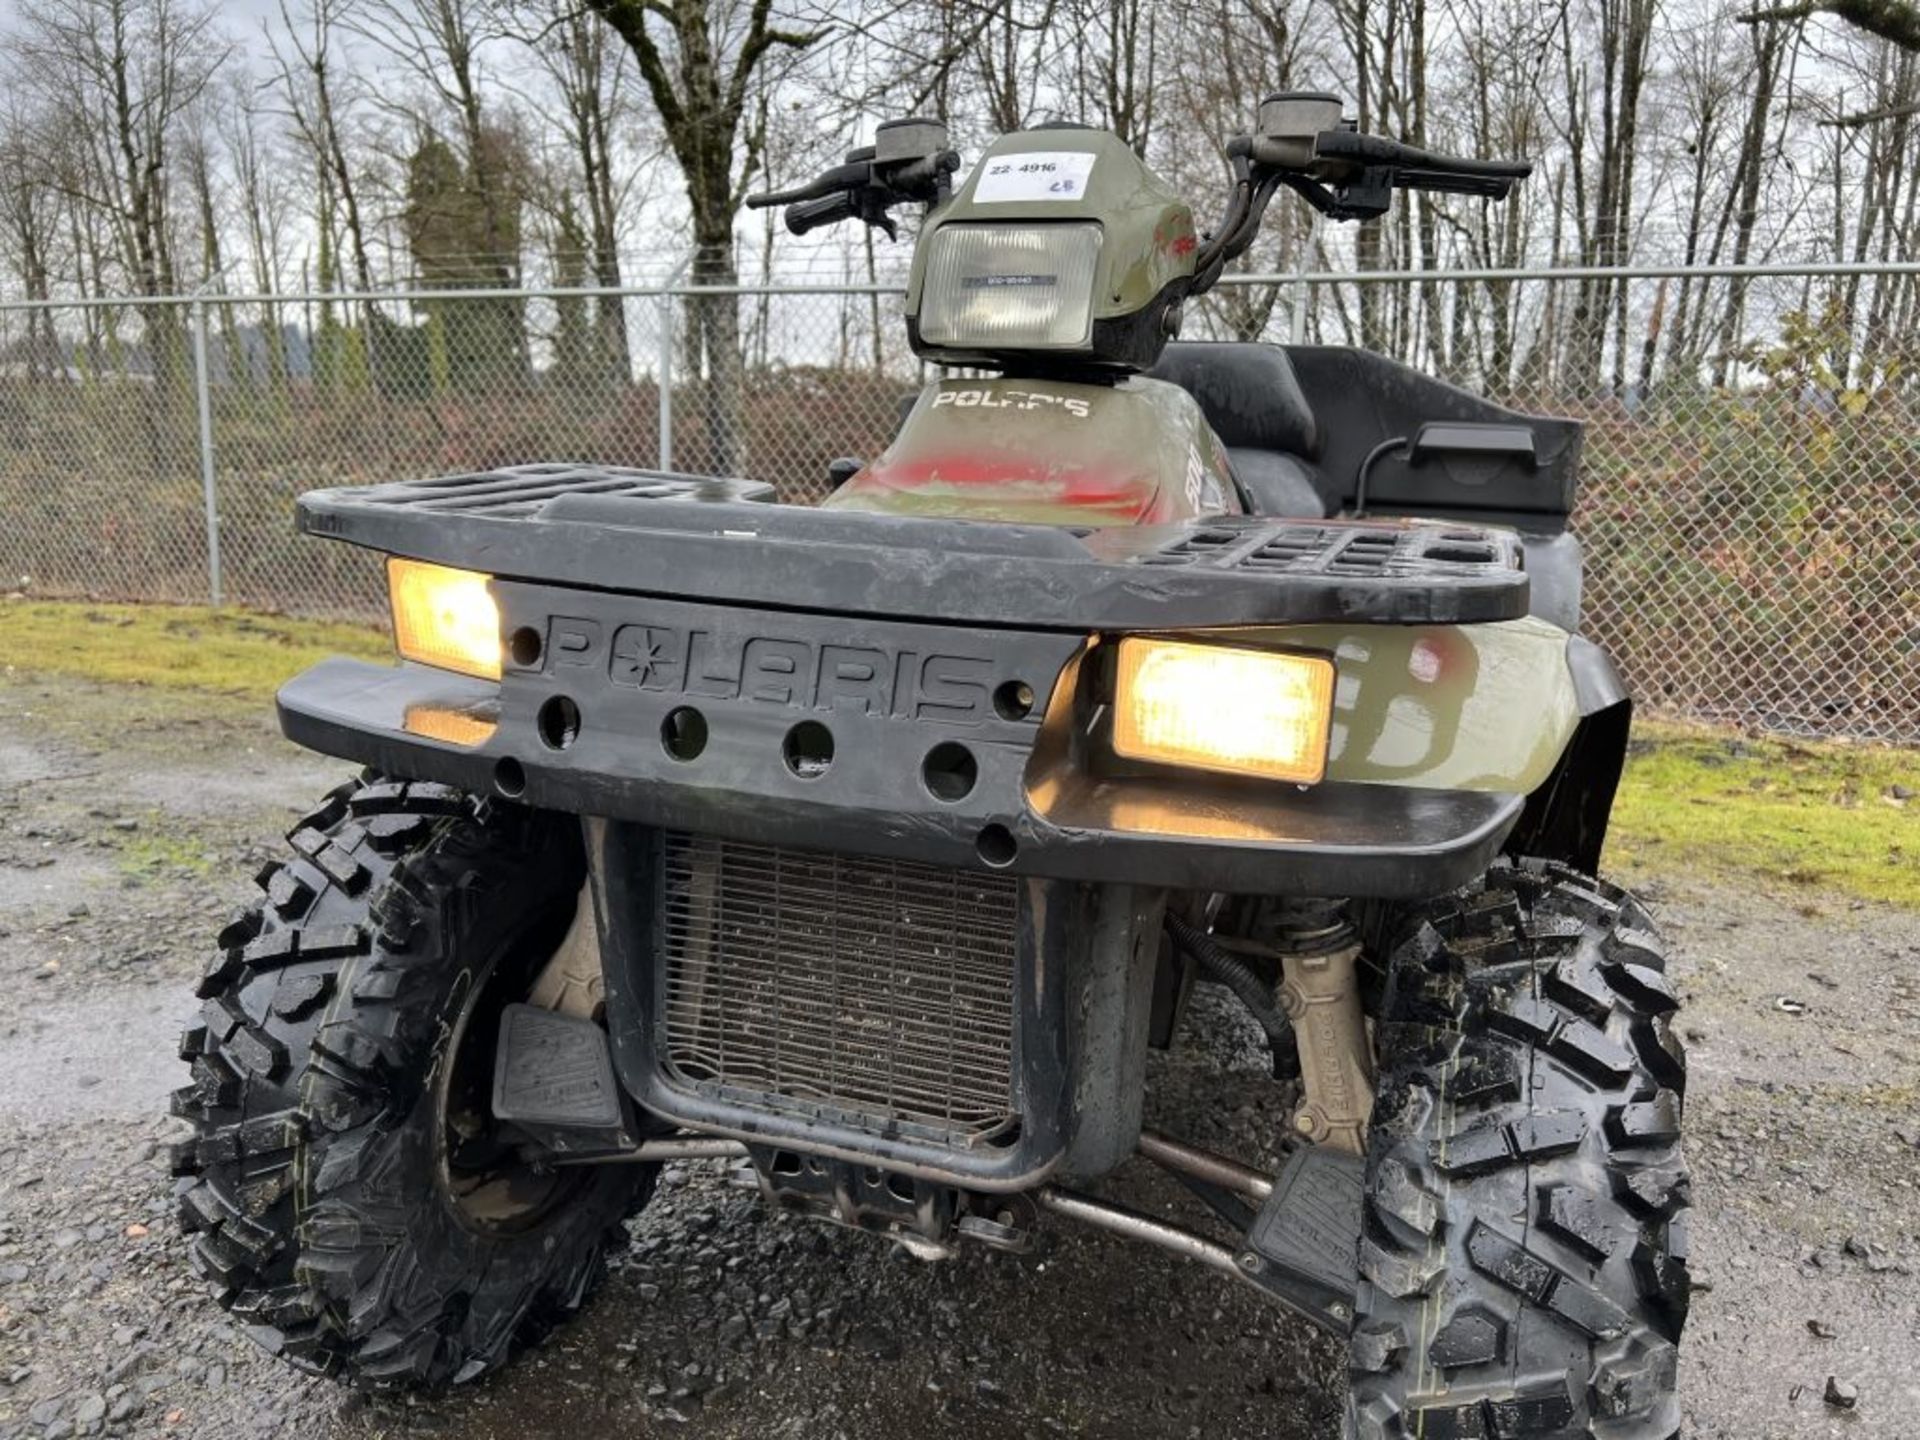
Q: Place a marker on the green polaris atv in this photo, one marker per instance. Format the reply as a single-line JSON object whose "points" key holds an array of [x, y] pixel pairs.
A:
{"points": [[876, 844]]}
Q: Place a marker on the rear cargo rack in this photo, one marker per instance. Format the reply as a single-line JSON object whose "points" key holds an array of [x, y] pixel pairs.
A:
{"points": [[717, 541]]}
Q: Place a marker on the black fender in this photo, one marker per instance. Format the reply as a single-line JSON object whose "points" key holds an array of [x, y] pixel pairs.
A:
{"points": [[1554, 573], [1566, 819]]}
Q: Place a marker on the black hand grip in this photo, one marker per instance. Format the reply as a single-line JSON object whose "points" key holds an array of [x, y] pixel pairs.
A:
{"points": [[1374, 150], [811, 214]]}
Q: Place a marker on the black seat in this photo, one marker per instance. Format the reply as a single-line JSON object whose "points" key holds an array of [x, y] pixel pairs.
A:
{"points": [[1251, 398], [1275, 484]]}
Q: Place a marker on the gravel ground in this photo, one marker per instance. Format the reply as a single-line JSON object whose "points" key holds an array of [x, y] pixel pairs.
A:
{"points": [[117, 862]]}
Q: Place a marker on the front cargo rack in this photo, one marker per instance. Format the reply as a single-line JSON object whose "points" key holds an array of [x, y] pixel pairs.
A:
{"points": [[718, 541], [520, 491]]}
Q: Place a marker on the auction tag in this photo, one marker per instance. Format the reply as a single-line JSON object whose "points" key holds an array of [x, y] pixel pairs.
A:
{"points": [[1042, 175]]}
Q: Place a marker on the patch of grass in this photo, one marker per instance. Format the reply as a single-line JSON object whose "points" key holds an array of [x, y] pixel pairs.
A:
{"points": [[149, 855], [1824, 816], [179, 647]]}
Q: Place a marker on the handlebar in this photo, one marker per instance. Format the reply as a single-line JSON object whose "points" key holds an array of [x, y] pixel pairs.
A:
{"points": [[1305, 146], [909, 163], [1301, 142]]}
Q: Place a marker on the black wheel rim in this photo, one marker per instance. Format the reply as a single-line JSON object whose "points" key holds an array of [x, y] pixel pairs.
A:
{"points": [[493, 1180]]}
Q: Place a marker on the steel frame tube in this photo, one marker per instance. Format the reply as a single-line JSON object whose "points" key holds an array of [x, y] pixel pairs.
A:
{"points": [[671, 1147], [1217, 1170], [1120, 1220]]}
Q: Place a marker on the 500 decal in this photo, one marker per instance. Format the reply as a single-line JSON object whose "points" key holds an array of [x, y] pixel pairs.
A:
{"points": [[1196, 479], [1013, 400]]}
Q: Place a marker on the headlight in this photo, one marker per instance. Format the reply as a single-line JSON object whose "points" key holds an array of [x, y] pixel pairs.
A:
{"points": [[444, 617], [1010, 287], [1247, 712]]}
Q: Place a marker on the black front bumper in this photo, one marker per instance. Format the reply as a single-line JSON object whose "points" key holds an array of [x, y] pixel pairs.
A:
{"points": [[888, 693]]}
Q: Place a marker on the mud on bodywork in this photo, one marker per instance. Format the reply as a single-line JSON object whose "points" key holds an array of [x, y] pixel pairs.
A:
{"points": [[1135, 452]]}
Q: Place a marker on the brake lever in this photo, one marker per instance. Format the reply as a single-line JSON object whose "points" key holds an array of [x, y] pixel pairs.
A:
{"points": [[1453, 182], [1366, 196], [873, 211], [841, 177]]}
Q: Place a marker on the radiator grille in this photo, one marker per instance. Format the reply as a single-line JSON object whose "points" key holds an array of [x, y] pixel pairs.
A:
{"points": [[880, 990]]}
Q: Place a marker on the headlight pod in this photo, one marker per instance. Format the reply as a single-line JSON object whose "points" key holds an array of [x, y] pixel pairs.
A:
{"points": [[444, 617], [1010, 287], [1216, 707]]}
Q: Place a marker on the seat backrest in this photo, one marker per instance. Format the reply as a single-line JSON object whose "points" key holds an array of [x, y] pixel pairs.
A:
{"points": [[1247, 391], [1272, 483]]}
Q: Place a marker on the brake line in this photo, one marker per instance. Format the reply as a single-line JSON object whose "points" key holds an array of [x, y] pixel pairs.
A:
{"points": [[1228, 969]]}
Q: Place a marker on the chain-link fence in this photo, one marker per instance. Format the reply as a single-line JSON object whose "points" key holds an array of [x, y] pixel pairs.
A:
{"points": [[1750, 508]]}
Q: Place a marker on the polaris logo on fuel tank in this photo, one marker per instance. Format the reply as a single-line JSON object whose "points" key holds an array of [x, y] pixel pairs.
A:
{"points": [[778, 670], [1002, 398]]}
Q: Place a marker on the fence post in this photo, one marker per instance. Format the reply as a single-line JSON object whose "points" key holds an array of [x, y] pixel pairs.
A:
{"points": [[1297, 296], [202, 385], [665, 325], [665, 367]]}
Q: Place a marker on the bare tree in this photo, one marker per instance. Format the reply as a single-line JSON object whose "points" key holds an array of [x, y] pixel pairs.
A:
{"points": [[438, 43], [29, 228], [125, 71], [262, 194], [1742, 207], [1895, 21], [1603, 151], [1116, 59], [588, 75], [197, 149], [312, 91], [1495, 97], [701, 60]]}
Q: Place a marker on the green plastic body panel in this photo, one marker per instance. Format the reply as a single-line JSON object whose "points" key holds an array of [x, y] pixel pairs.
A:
{"points": [[1442, 707], [1051, 452]]}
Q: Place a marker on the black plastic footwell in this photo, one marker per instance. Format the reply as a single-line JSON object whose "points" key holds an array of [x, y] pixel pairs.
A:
{"points": [[1306, 1238], [553, 1079]]}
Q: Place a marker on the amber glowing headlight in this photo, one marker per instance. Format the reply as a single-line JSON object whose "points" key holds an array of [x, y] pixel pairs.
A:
{"points": [[444, 617], [1247, 712]]}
